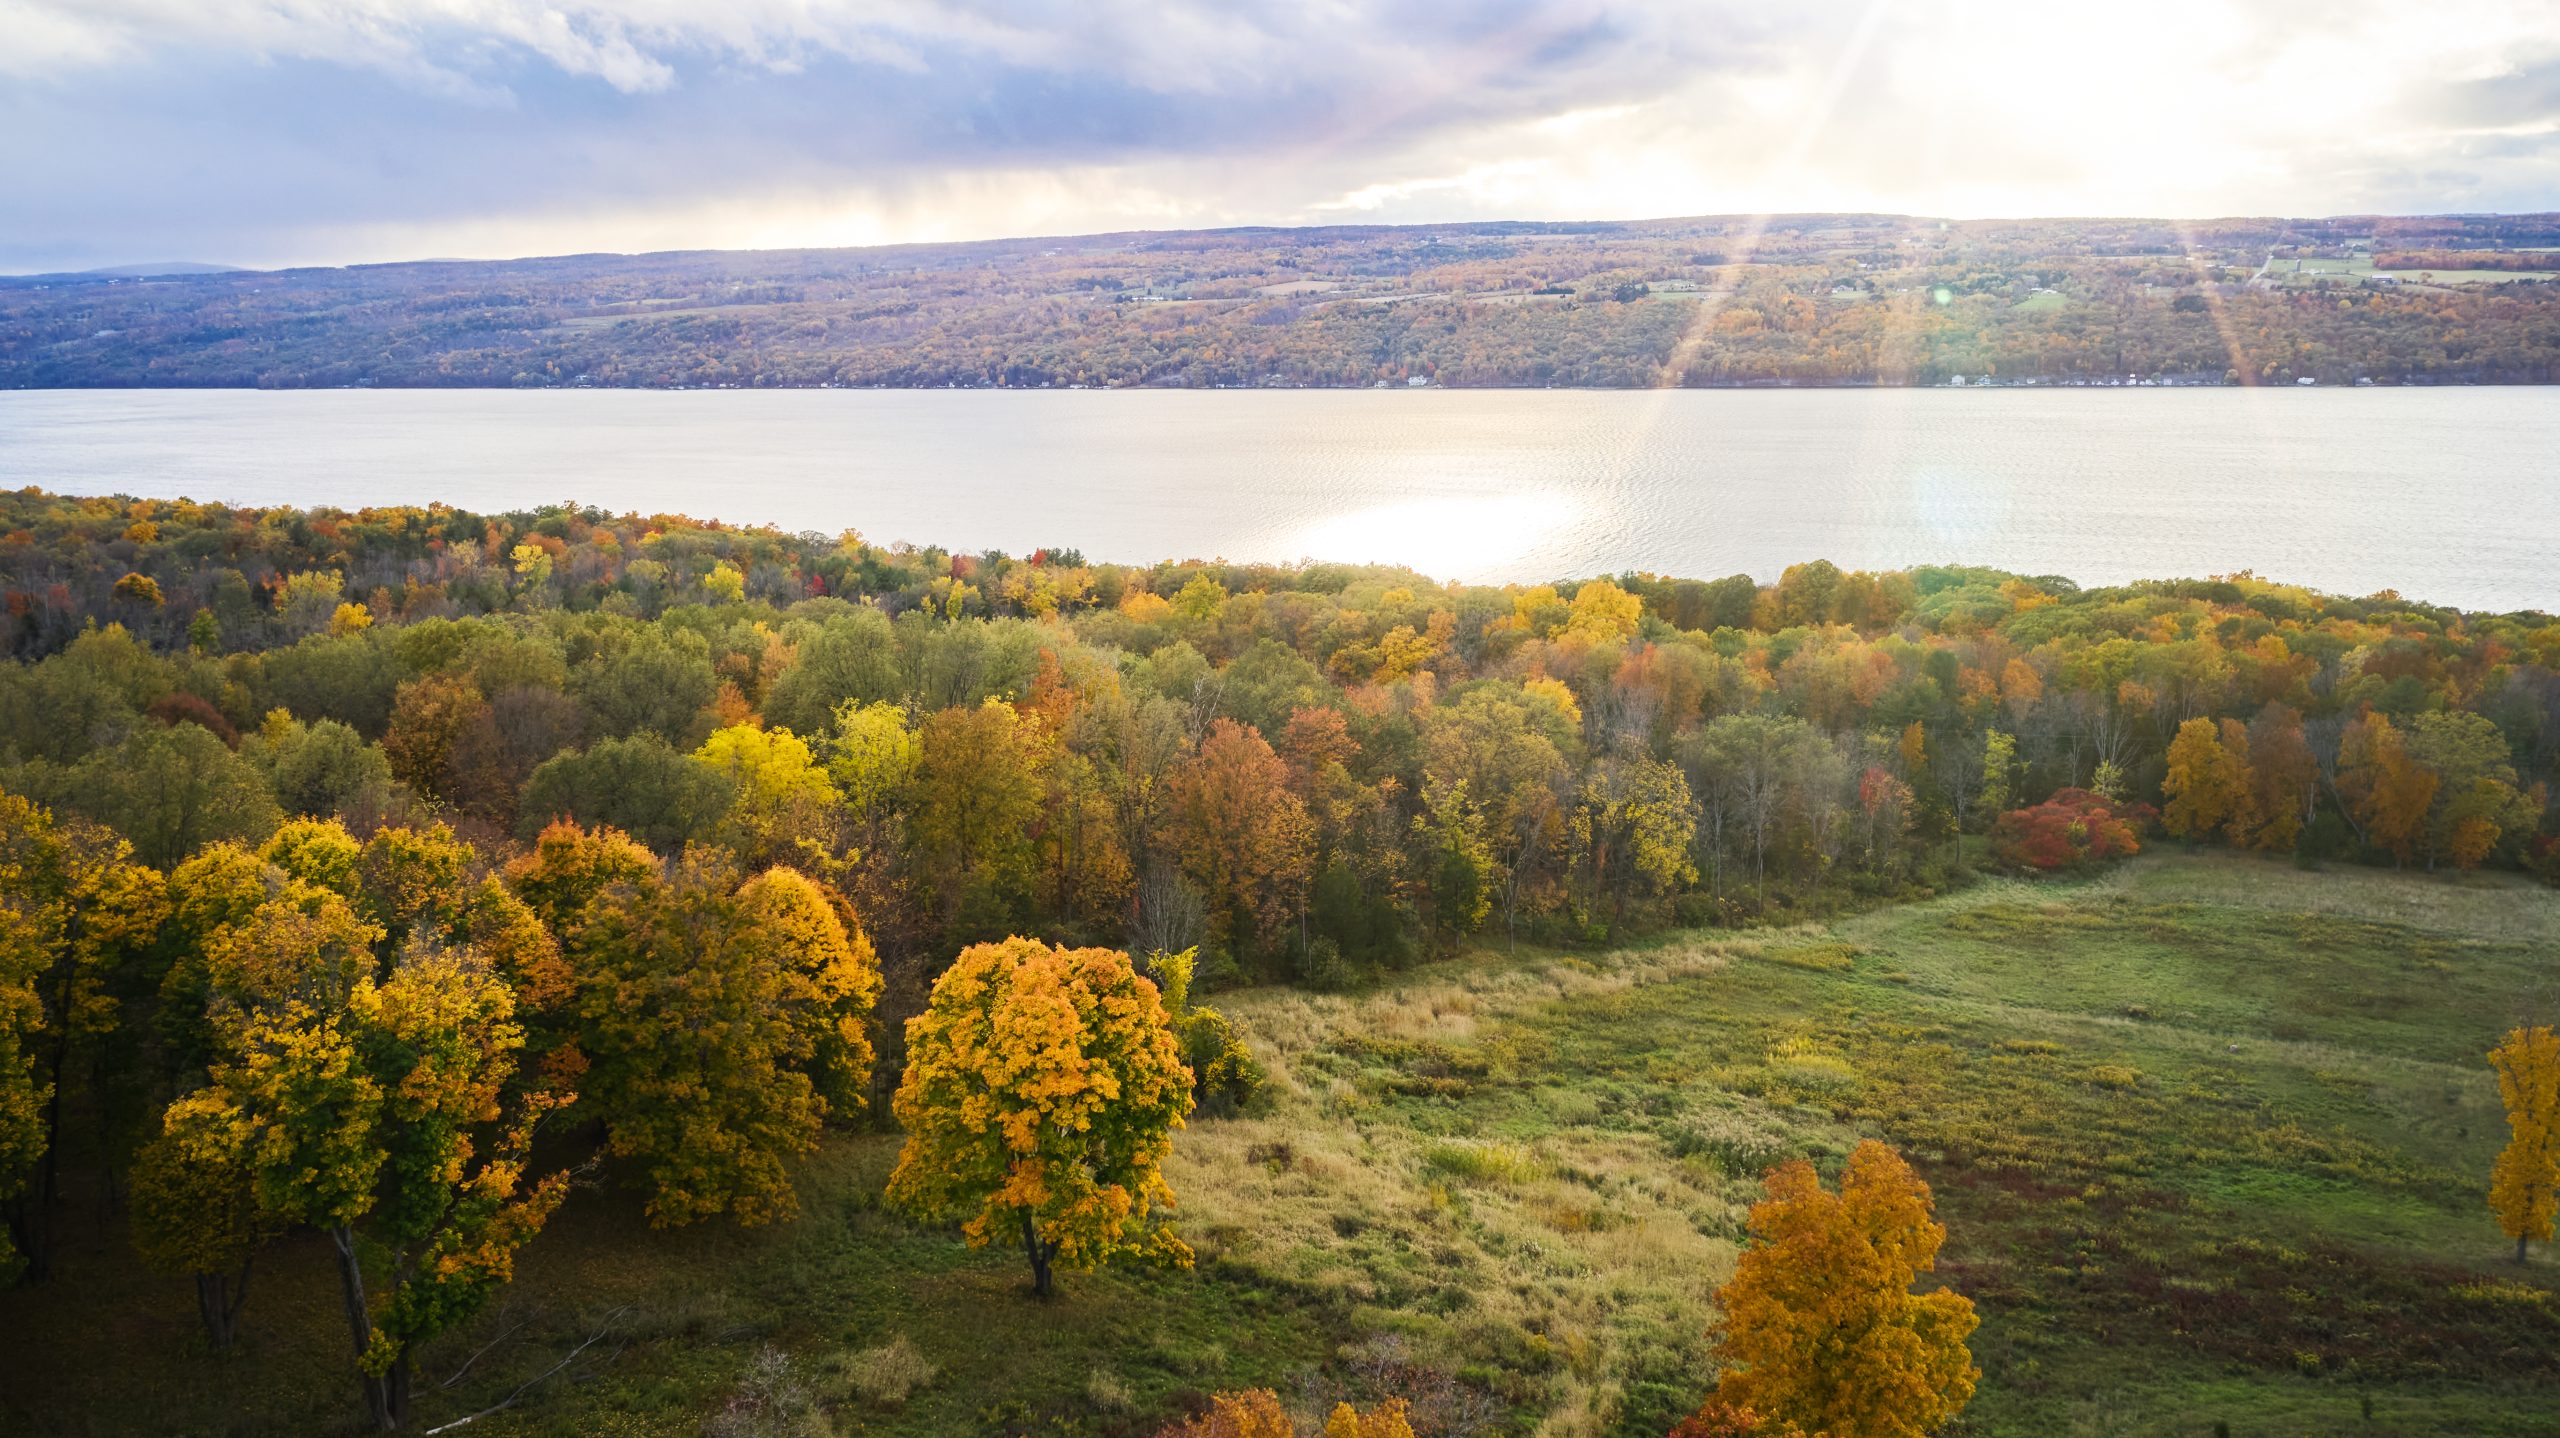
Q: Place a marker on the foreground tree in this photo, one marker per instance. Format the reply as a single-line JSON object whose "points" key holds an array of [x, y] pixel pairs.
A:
{"points": [[1821, 1329], [383, 1115], [195, 1209], [77, 917], [723, 1023], [2524, 1186], [1042, 1090]]}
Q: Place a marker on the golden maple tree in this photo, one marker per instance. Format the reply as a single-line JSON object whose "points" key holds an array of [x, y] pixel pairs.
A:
{"points": [[1821, 1329], [1042, 1089]]}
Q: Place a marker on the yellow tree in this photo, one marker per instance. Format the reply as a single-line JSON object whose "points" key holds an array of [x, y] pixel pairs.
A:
{"points": [[826, 975], [22, 1098], [721, 1023], [1821, 1328], [195, 1208], [77, 920], [1389, 1419], [2207, 784], [1253, 1413], [1042, 1089], [382, 1113], [2524, 1186], [786, 805]]}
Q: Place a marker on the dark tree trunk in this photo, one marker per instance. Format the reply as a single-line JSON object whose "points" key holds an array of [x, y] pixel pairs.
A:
{"points": [[219, 1298], [395, 1394], [1039, 1253], [2519, 1250]]}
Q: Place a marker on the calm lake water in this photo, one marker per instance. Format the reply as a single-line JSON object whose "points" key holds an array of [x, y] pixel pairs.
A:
{"points": [[2450, 495]]}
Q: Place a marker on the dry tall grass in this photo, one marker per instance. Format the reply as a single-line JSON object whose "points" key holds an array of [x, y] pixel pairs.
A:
{"points": [[1557, 1256]]}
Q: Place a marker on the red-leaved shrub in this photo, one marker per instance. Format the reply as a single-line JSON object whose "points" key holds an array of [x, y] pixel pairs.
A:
{"points": [[2072, 828]]}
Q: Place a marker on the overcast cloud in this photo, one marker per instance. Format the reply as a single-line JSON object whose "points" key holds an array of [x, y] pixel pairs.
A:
{"points": [[271, 132]]}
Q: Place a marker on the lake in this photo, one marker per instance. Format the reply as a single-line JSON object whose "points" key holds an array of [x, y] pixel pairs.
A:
{"points": [[2448, 495]]}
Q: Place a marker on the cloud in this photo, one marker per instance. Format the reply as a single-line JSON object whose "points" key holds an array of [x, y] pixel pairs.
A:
{"points": [[266, 131]]}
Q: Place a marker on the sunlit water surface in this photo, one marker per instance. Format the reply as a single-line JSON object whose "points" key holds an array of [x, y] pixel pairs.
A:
{"points": [[2450, 495]]}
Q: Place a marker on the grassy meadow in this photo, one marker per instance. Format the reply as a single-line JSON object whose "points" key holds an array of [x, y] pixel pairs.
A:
{"points": [[2211, 1136]]}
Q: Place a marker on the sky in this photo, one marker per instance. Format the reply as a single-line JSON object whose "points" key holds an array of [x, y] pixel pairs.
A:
{"points": [[284, 132]]}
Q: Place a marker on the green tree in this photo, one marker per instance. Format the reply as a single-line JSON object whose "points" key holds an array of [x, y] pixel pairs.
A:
{"points": [[723, 1023], [2476, 802], [316, 769], [659, 683], [641, 785], [852, 658], [1509, 750], [975, 795], [170, 791]]}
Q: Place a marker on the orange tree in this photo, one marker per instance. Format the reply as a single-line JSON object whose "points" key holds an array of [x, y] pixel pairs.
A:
{"points": [[1042, 1090], [2524, 1186], [1822, 1332]]}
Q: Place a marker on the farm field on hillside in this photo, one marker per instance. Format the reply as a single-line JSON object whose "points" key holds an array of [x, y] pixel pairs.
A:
{"points": [[2210, 1135]]}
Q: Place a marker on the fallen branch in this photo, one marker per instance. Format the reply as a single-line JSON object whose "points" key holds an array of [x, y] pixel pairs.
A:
{"points": [[484, 1350], [509, 1401]]}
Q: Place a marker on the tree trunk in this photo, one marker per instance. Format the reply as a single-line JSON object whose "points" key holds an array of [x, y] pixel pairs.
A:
{"points": [[218, 1300], [377, 1391], [395, 1394], [1039, 1253], [2520, 1250], [221, 1297]]}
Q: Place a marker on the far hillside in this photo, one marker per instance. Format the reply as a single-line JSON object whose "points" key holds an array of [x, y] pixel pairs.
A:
{"points": [[1716, 301]]}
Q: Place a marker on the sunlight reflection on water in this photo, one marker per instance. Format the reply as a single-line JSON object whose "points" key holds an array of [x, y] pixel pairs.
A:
{"points": [[2451, 495]]}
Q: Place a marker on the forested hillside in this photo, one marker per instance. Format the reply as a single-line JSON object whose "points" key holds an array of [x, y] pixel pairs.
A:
{"points": [[375, 880], [1798, 300]]}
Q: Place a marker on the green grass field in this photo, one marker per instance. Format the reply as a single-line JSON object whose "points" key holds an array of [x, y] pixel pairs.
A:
{"points": [[2211, 1136], [2360, 267]]}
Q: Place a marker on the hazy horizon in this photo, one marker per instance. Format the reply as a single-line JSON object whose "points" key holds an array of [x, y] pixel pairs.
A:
{"points": [[186, 265], [269, 135]]}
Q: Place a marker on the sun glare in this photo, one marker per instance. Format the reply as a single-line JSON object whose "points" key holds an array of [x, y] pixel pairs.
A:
{"points": [[1462, 538]]}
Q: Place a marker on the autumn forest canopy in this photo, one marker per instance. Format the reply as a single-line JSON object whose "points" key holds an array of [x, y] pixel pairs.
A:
{"points": [[1730, 301], [395, 892]]}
